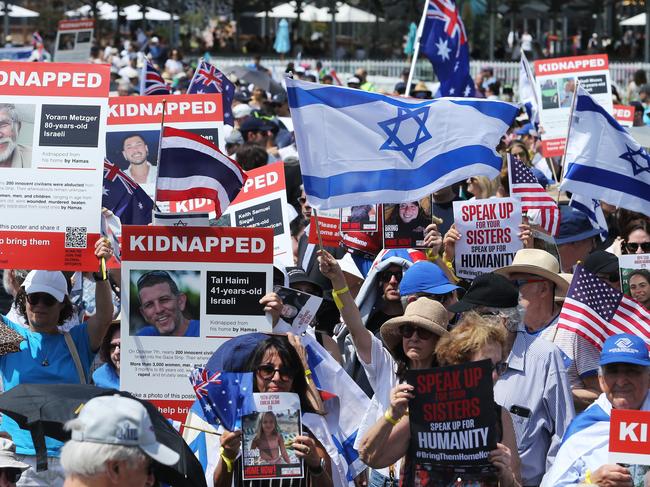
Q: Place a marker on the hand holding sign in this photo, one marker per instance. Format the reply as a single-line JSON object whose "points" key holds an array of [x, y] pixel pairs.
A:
{"points": [[399, 400], [273, 305], [611, 476], [432, 238], [451, 237], [501, 458]]}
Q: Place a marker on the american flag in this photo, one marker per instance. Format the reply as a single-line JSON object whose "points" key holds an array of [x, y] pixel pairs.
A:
{"points": [[151, 83], [595, 310], [524, 186], [224, 396], [208, 79]]}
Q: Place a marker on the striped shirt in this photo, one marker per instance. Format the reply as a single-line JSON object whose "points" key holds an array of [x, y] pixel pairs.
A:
{"points": [[535, 390]]}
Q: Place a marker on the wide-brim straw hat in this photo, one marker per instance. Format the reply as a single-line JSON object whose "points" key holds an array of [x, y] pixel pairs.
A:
{"points": [[424, 313], [559, 297], [538, 263]]}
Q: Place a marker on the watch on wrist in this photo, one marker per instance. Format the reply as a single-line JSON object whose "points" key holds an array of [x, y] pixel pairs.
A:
{"points": [[318, 471]]}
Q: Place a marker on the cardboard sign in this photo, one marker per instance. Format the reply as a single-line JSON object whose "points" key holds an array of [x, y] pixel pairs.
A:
{"points": [[298, 308], [488, 230], [73, 41], [268, 435], [328, 227], [262, 203], [556, 80], [624, 114], [405, 223], [629, 437], [452, 419], [133, 133], [219, 276], [362, 218], [52, 170]]}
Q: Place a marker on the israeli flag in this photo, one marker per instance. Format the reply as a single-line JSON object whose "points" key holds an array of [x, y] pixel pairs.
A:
{"points": [[358, 147], [594, 212], [603, 161], [528, 95]]}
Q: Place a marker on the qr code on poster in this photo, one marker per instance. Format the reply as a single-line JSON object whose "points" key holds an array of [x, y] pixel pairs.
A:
{"points": [[75, 238]]}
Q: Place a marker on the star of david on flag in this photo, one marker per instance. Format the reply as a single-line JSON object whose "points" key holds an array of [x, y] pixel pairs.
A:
{"points": [[358, 147], [208, 79], [603, 161], [444, 43], [224, 396]]}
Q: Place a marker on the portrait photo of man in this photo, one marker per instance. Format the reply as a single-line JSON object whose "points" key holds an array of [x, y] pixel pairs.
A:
{"points": [[12, 154], [136, 152]]}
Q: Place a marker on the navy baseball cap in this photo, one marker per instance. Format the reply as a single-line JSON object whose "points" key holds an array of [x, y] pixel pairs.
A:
{"points": [[574, 226], [425, 277], [625, 349], [255, 124]]}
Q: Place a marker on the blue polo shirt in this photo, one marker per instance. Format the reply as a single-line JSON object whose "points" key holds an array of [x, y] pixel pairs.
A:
{"points": [[193, 330], [26, 367]]}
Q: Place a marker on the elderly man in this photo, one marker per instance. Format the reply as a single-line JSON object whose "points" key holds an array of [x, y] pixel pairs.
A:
{"points": [[113, 444], [534, 387], [12, 154], [536, 274], [162, 305], [624, 376]]}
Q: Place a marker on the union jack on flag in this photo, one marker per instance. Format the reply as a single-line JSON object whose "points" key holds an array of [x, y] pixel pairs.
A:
{"points": [[595, 310], [224, 396], [114, 173], [524, 187], [124, 197], [151, 83], [208, 79]]}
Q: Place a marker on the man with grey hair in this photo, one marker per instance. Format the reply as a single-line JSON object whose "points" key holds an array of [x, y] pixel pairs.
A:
{"points": [[113, 444], [534, 387], [12, 154]]}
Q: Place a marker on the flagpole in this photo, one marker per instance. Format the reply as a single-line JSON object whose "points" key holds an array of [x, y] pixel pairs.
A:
{"points": [[320, 238], [566, 143], [416, 48], [162, 129]]}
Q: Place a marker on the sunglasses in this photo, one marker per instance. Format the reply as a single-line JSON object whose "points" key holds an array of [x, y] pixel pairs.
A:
{"points": [[407, 331], [386, 276], [267, 372], [633, 247], [115, 346], [147, 275], [520, 282], [11, 474], [302, 200], [500, 368], [36, 298]]}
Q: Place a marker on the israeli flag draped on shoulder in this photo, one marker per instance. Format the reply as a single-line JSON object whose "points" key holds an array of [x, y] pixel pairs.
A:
{"points": [[528, 95], [603, 161], [358, 147]]}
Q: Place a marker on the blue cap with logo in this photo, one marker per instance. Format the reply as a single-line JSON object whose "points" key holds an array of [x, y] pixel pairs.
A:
{"points": [[425, 277], [625, 349]]}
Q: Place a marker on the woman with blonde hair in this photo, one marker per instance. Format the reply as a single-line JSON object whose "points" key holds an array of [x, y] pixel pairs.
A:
{"points": [[475, 338], [269, 441], [482, 187]]}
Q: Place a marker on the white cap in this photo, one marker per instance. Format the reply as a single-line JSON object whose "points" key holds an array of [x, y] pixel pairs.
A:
{"points": [[118, 420], [155, 40], [354, 80], [241, 110], [50, 282], [8, 456]]}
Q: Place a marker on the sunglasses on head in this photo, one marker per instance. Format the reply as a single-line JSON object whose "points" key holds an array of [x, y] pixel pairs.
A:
{"points": [[146, 275], [633, 247], [35, 298], [267, 372], [407, 331], [500, 368], [385, 276]]}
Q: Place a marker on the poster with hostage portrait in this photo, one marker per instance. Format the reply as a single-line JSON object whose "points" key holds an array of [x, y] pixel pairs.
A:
{"points": [[405, 223], [52, 144], [268, 435], [629, 445], [361, 218], [635, 277]]}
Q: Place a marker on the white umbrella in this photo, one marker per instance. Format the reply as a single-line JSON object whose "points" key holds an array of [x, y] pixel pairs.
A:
{"points": [[288, 11], [107, 11], [636, 20], [133, 12], [18, 12], [348, 13]]}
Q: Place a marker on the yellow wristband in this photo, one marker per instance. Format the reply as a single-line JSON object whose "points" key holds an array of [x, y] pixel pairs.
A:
{"points": [[336, 293], [431, 255], [307, 372], [588, 477], [229, 463], [390, 419]]}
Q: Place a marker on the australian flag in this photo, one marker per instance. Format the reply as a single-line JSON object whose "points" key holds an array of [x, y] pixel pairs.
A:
{"points": [[224, 396], [208, 79], [151, 83], [124, 197], [444, 43]]}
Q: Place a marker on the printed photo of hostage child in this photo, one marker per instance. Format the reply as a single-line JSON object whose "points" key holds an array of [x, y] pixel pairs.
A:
{"points": [[268, 440], [405, 223]]}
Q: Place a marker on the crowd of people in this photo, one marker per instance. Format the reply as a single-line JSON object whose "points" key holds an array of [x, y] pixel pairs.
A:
{"points": [[385, 313]]}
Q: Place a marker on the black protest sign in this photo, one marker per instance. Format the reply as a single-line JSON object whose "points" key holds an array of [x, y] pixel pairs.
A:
{"points": [[453, 419]]}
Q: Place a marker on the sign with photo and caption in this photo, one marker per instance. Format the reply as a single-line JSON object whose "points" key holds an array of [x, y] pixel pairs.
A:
{"points": [[74, 39], [52, 129], [629, 443], [186, 290]]}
